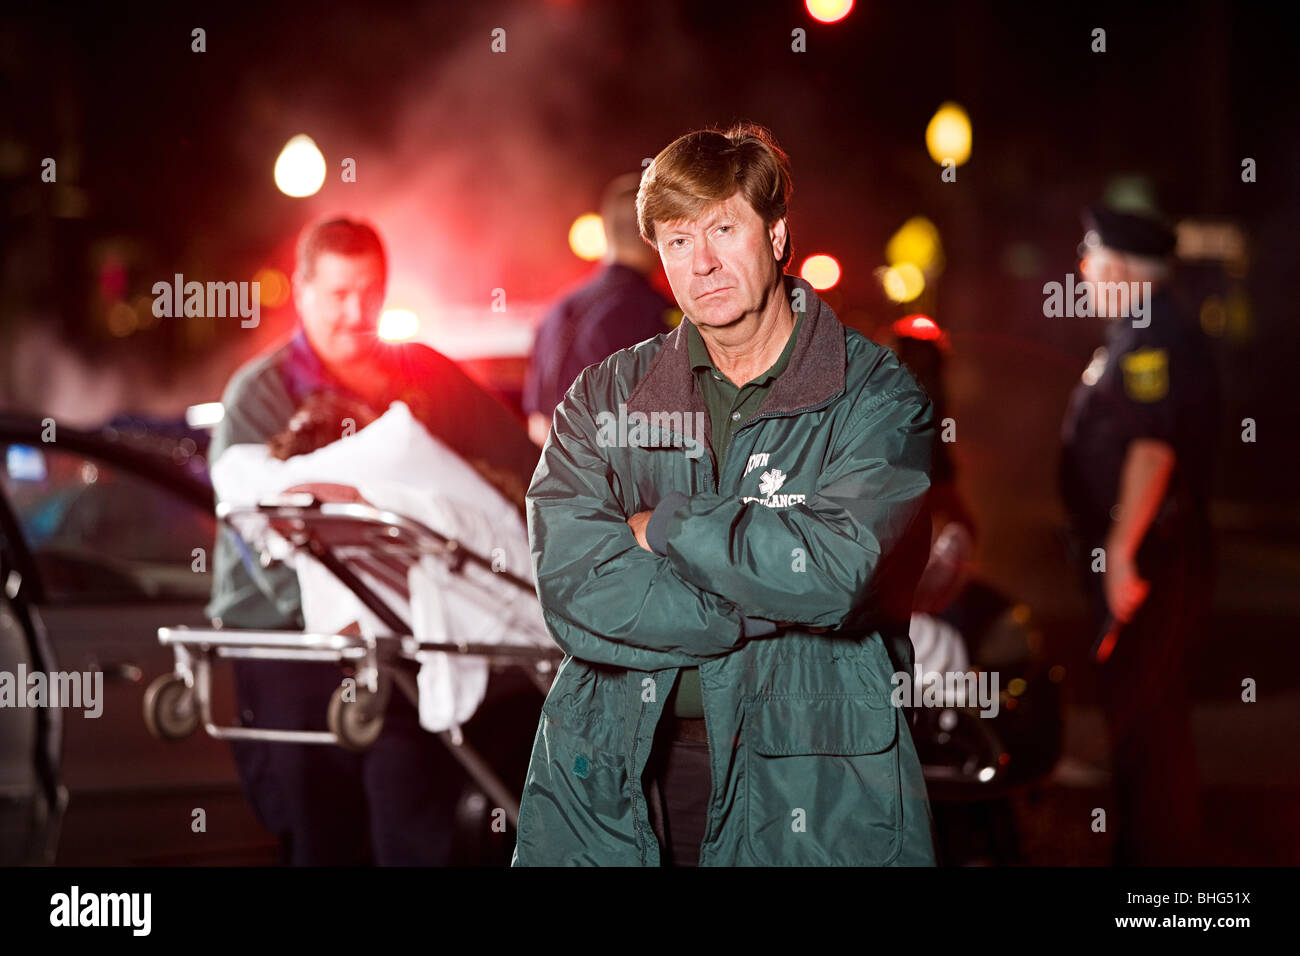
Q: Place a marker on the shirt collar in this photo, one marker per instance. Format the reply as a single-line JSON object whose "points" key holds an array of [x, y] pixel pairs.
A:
{"points": [[815, 373], [698, 352], [304, 371]]}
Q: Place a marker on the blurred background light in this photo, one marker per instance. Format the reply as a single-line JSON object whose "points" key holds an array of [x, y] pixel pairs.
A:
{"points": [[398, 325], [272, 287], [916, 241], [903, 282], [300, 168], [204, 414], [829, 11], [587, 237], [948, 135], [922, 327], [122, 320], [821, 271]]}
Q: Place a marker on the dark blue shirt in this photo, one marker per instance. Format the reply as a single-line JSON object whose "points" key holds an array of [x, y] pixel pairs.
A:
{"points": [[614, 310], [1156, 382]]}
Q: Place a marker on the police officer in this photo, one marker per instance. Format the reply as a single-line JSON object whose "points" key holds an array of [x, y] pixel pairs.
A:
{"points": [[1135, 471], [615, 309]]}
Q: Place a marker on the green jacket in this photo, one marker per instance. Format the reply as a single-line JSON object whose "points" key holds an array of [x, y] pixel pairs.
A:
{"points": [[787, 580]]}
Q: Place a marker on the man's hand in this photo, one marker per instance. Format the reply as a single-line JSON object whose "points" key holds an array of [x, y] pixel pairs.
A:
{"points": [[539, 428], [1148, 465], [637, 523], [1125, 591]]}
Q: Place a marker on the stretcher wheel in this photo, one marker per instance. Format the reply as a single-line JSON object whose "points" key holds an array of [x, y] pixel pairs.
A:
{"points": [[170, 710], [357, 723]]}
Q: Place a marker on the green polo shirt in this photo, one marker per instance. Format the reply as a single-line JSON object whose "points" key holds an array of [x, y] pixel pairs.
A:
{"points": [[729, 407]]}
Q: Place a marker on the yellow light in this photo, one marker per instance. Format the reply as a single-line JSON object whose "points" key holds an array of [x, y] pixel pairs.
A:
{"points": [[122, 320], [820, 271], [1214, 316], [948, 135], [300, 169], [903, 282], [587, 237], [829, 11], [143, 306], [917, 241], [398, 325], [272, 288]]}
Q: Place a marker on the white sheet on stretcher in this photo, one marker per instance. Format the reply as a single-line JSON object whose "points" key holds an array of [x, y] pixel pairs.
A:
{"points": [[398, 466]]}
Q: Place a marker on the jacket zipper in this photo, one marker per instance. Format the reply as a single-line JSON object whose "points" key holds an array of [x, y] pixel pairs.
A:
{"points": [[708, 736], [717, 485], [637, 791]]}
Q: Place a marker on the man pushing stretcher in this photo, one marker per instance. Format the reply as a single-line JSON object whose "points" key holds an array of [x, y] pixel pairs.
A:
{"points": [[394, 464], [395, 803]]}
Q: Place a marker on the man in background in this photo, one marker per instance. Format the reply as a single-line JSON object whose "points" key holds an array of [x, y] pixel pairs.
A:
{"points": [[318, 799], [613, 310]]}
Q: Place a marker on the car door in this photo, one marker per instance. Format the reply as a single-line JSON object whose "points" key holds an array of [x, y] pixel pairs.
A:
{"points": [[118, 554]]}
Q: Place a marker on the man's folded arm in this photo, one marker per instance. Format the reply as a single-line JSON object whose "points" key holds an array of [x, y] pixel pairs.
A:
{"points": [[607, 599], [812, 563]]}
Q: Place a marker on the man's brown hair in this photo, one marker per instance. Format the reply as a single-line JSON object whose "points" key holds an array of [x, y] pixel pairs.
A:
{"points": [[343, 237], [708, 166]]}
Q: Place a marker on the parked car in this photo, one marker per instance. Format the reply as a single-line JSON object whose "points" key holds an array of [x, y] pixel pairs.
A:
{"points": [[106, 535]]}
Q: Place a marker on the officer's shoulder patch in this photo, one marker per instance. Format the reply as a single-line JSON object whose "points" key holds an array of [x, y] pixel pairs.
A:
{"points": [[1146, 374]]}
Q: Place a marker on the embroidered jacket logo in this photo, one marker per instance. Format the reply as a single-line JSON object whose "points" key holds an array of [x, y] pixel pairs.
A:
{"points": [[769, 483]]}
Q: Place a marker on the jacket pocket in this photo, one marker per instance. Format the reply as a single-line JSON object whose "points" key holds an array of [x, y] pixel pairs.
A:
{"points": [[576, 808], [822, 780]]}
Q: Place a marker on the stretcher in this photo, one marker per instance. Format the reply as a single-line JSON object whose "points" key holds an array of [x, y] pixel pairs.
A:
{"points": [[370, 552]]}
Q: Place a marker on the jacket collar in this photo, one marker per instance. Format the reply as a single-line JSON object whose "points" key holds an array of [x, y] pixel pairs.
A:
{"points": [[304, 372], [815, 373]]}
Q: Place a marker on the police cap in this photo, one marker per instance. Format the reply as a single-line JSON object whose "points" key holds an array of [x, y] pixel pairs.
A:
{"points": [[1137, 233]]}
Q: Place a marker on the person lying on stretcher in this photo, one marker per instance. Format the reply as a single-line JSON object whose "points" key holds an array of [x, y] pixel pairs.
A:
{"points": [[338, 451]]}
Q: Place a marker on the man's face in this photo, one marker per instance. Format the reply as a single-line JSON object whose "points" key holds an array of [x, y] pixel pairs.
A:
{"points": [[1102, 266], [339, 306], [722, 265]]}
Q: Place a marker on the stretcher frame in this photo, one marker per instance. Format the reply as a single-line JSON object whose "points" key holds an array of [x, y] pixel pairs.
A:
{"points": [[347, 539]]}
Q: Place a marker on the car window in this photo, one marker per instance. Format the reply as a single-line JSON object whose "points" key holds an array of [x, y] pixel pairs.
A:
{"points": [[99, 532]]}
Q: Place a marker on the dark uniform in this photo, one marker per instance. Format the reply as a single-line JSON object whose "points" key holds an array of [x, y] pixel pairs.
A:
{"points": [[319, 799], [1157, 382], [614, 310]]}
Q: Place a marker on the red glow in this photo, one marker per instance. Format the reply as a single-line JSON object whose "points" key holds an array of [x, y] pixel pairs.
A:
{"points": [[112, 279], [921, 327], [1107, 644], [918, 327]]}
